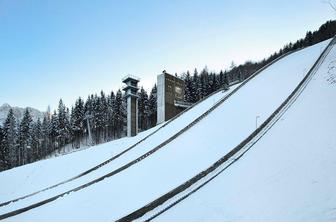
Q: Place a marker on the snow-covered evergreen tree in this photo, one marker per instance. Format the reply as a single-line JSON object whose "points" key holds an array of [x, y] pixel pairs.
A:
{"points": [[188, 95], [77, 122], [36, 140], [101, 116], [10, 141], [119, 114], [221, 78], [143, 110], [226, 82], [204, 83], [46, 139], [63, 126], [196, 87], [111, 113], [2, 151], [152, 104], [53, 131], [25, 136]]}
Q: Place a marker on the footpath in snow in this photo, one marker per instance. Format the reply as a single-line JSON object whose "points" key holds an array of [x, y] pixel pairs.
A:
{"points": [[185, 156], [288, 175]]}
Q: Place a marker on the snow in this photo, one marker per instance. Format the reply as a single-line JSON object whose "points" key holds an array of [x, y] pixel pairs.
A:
{"points": [[30, 178], [289, 175], [36, 176], [179, 160]]}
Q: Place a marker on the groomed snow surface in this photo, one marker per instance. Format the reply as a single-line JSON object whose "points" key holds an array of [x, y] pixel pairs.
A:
{"points": [[289, 175], [29, 178], [33, 177], [269, 187]]}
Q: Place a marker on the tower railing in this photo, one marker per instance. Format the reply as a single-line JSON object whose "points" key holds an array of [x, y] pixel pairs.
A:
{"points": [[131, 76]]}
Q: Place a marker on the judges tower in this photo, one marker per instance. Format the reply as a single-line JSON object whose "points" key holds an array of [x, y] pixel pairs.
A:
{"points": [[170, 96], [131, 94]]}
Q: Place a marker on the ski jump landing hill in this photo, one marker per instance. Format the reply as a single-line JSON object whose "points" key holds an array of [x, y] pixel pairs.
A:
{"points": [[190, 168]]}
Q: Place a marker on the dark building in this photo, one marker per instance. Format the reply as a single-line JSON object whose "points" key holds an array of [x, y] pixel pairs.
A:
{"points": [[170, 96]]}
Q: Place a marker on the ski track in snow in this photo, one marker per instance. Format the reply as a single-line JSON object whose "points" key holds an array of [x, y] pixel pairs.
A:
{"points": [[287, 175], [181, 159], [32, 178]]}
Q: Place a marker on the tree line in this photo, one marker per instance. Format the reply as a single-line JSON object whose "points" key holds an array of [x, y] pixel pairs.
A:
{"points": [[24, 141], [199, 85]]}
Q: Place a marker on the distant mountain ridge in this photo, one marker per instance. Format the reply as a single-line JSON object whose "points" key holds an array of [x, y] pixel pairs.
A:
{"points": [[18, 112]]}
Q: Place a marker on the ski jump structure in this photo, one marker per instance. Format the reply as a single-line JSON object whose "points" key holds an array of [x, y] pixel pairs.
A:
{"points": [[146, 209], [178, 194]]}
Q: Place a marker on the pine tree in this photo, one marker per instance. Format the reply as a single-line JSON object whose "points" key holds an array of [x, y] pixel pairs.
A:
{"points": [[188, 96], [89, 115], [77, 121], [103, 108], [63, 127], [203, 84], [196, 89], [119, 114], [309, 38], [53, 132], [88, 108], [226, 82], [221, 78], [36, 138], [2, 151], [9, 141], [152, 104], [143, 111], [46, 139], [96, 119], [25, 153], [100, 116], [110, 119], [214, 83]]}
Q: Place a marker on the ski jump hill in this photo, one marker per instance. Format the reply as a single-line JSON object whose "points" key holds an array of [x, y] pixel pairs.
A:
{"points": [[263, 150]]}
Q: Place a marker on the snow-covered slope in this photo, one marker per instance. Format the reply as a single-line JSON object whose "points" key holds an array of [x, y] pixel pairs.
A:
{"points": [[180, 159], [29, 178], [289, 175], [32, 177]]}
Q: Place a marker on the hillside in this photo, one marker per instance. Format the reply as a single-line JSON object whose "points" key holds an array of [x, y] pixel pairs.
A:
{"points": [[289, 175], [172, 153]]}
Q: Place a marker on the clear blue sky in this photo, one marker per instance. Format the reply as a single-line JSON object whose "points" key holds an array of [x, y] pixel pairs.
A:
{"points": [[65, 49]]}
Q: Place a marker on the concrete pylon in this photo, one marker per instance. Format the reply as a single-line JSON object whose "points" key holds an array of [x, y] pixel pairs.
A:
{"points": [[131, 94]]}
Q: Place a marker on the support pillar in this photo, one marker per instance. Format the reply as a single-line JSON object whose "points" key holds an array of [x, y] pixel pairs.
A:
{"points": [[131, 94]]}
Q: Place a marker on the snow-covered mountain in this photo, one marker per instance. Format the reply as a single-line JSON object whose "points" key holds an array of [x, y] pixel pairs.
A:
{"points": [[18, 112]]}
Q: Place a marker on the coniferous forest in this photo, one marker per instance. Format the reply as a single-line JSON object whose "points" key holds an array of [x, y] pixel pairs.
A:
{"points": [[24, 141]]}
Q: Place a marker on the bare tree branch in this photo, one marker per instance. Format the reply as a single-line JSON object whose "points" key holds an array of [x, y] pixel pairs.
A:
{"points": [[331, 4]]}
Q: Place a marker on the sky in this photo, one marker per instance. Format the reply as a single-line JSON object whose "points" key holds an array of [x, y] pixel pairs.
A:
{"points": [[68, 48]]}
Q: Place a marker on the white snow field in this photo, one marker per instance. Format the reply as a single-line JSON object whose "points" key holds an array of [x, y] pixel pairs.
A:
{"points": [[181, 159], [288, 175], [27, 179]]}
